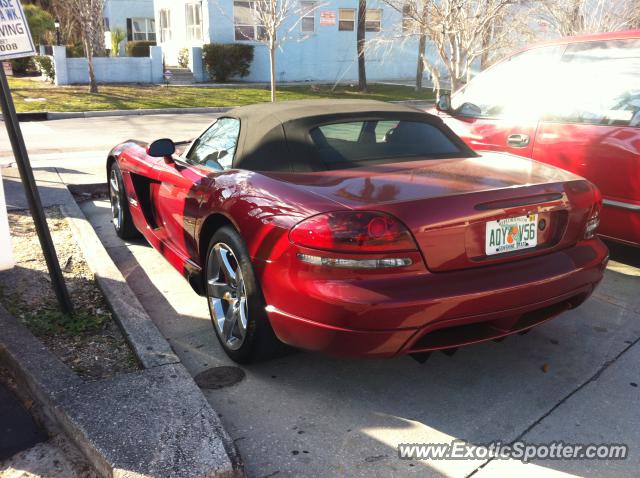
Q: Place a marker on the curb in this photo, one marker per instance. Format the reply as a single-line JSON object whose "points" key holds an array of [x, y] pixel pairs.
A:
{"points": [[153, 422]]}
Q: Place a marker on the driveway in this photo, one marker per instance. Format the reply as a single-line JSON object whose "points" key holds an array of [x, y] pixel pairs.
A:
{"points": [[573, 379]]}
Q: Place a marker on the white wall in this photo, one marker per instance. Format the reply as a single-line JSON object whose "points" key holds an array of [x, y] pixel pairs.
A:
{"points": [[108, 70]]}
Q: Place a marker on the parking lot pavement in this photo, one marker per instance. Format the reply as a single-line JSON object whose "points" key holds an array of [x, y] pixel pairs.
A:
{"points": [[79, 138], [307, 414]]}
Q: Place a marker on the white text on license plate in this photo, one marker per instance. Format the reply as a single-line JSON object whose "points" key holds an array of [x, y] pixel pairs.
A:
{"points": [[512, 234]]}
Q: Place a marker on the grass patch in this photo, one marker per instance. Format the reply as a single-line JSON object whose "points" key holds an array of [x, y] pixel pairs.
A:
{"points": [[35, 95]]}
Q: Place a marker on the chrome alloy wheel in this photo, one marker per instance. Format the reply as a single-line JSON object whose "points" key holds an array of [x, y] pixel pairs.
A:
{"points": [[227, 296], [114, 194]]}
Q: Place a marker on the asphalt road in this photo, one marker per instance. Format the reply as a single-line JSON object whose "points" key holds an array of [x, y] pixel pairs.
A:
{"points": [[82, 139], [573, 379]]}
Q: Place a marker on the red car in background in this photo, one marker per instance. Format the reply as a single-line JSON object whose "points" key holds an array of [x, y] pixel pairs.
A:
{"points": [[572, 103], [358, 228]]}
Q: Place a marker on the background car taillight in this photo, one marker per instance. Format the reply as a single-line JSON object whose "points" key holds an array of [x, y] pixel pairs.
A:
{"points": [[594, 217], [354, 232]]}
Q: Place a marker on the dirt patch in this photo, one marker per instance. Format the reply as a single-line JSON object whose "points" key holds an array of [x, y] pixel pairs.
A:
{"points": [[90, 342]]}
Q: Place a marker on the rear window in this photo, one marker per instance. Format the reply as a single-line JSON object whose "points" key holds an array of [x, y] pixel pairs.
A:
{"points": [[359, 143]]}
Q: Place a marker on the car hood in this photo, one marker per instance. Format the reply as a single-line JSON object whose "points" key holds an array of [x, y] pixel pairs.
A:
{"points": [[425, 179]]}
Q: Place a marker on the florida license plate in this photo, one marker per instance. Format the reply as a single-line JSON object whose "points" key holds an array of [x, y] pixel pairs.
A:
{"points": [[512, 234]]}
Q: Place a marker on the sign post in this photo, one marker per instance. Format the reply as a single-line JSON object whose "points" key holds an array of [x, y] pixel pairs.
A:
{"points": [[16, 42], [6, 256]]}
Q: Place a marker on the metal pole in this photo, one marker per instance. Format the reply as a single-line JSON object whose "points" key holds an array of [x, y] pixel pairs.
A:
{"points": [[33, 197]]}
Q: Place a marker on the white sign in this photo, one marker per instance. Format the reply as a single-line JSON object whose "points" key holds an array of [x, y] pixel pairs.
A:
{"points": [[327, 18], [15, 37], [6, 256]]}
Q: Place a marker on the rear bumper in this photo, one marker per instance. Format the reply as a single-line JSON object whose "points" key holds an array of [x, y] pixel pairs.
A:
{"points": [[423, 312]]}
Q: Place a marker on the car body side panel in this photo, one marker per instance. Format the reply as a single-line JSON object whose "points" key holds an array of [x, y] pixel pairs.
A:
{"points": [[608, 156], [493, 133]]}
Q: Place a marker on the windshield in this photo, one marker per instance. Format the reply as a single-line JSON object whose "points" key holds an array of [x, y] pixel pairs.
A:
{"points": [[515, 87]]}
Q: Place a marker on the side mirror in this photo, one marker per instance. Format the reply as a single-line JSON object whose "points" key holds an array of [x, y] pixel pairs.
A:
{"points": [[444, 103], [161, 148]]}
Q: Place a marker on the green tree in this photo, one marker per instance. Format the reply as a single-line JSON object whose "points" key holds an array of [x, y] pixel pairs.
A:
{"points": [[40, 22], [117, 35]]}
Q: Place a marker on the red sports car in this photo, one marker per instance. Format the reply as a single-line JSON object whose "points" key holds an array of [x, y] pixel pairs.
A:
{"points": [[359, 228]]}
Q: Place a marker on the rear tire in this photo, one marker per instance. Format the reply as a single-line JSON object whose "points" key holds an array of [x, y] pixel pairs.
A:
{"points": [[236, 303], [120, 214]]}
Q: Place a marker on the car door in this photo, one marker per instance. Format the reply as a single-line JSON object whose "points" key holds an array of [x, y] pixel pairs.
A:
{"points": [[186, 183], [592, 127], [500, 108]]}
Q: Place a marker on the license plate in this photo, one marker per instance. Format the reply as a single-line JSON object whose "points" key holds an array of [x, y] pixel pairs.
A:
{"points": [[512, 234]]}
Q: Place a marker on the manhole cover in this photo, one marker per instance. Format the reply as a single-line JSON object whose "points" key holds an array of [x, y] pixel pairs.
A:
{"points": [[219, 377]]}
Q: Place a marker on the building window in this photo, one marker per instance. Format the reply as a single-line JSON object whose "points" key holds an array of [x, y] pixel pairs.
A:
{"points": [[193, 16], [347, 19], [143, 29], [372, 20], [106, 24], [308, 21], [408, 18], [246, 26], [165, 25]]}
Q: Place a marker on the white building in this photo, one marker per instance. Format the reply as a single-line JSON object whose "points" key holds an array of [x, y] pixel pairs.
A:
{"points": [[135, 17]]}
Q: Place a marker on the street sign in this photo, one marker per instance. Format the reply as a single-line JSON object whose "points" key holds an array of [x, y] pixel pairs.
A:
{"points": [[6, 256], [15, 37]]}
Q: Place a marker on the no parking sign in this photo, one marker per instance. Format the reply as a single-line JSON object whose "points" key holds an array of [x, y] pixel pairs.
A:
{"points": [[15, 38]]}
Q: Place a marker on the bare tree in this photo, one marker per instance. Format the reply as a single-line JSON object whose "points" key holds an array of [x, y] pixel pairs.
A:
{"points": [[361, 44], [276, 21], [88, 14], [463, 33], [574, 17]]}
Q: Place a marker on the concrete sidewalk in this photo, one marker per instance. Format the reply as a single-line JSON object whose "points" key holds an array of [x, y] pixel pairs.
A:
{"points": [[154, 422]]}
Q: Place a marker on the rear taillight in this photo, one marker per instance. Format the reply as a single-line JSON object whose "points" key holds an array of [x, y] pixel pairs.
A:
{"points": [[354, 232], [594, 217]]}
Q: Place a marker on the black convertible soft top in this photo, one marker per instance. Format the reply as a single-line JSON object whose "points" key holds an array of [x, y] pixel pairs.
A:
{"points": [[276, 136]]}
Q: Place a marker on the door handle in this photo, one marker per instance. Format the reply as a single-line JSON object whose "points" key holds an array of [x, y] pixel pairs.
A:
{"points": [[518, 140]]}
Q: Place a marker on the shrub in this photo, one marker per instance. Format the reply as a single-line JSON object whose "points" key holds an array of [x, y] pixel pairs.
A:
{"points": [[183, 58], [224, 61], [75, 51], [139, 48], [21, 66], [45, 66]]}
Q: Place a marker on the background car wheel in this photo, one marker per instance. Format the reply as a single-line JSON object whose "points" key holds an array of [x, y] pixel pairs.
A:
{"points": [[235, 301], [121, 216]]}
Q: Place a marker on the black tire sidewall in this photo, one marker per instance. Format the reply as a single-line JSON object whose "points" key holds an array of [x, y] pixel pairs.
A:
{"points": [[127, 229], [260, 341]]}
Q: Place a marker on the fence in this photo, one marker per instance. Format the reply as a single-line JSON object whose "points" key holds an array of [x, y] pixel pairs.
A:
{"points": [[71, 71]]}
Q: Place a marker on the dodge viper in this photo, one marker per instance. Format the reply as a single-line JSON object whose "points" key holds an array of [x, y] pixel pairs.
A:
{"points": [[358, 228]]}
